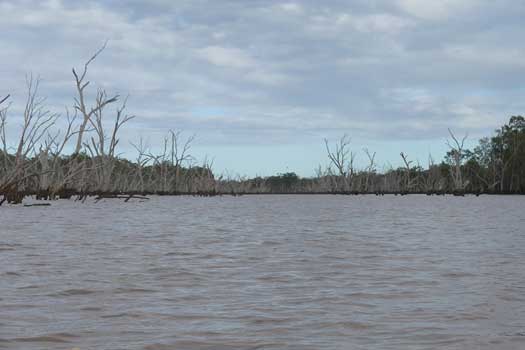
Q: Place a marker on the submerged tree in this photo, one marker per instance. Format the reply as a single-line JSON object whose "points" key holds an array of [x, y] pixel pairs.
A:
{"points": [[342, 158], [456, 156], [370, 170]]}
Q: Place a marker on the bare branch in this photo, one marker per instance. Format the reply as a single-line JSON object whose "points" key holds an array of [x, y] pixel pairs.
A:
{"points": [[80, 101], [4, 99]]}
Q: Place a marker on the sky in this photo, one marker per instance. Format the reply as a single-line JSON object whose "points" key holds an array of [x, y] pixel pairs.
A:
{"points": [[262, 83]]}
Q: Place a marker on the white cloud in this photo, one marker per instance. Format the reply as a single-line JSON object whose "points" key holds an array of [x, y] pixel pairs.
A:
{"points": [[414, 99], [486, 55], [291, 7], [226, 57], [237, 59], [435, 9], [382, 23]]}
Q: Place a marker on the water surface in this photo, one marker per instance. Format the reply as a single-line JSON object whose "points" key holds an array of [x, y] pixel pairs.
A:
{"points": [[265, 272]]}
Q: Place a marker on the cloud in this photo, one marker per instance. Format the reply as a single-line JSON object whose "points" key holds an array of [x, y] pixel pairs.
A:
{"points": [[436, 9], [291, 7], [275, 72], [236, 59], [226, 57]]}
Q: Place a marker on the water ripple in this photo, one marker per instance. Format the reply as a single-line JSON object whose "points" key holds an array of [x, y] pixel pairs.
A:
{"points": [[265, 272]]}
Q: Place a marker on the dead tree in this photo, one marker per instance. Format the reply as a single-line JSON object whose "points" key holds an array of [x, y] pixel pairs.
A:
{"points": [[391, 181], [323, 179], [142, 159], [432, 179], [343, 160], [409, 182], [179, 154], [102, 154], [160, 163], [6, 164], [51, 155], [170, 168], [80, 100], [36, 122], [3, 123], [457, 155], [4, 99], [206, 183], [370, 169]]}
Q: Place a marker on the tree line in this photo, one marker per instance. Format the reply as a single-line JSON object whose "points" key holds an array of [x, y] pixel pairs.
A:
{"points": [[496, 165], [36, 164]]}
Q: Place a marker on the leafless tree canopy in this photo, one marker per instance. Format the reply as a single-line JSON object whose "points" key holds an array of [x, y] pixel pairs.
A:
{"points": [[102, 100], [457, 149], [37, 165]]}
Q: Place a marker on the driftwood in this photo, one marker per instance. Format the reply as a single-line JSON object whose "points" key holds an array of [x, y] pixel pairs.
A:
{"points": [[118, 196]]}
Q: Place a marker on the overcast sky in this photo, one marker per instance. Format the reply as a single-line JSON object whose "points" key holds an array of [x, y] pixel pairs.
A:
{"points": [[262, 83]]}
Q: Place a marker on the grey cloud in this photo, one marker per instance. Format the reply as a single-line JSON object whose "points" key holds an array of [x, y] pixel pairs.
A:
{"points": [[289, 71]]}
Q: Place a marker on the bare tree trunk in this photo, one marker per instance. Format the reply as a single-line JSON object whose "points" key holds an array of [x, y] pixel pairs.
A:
{"points": [[343, 160], [457, 153], [80, 100], [370, 169]]}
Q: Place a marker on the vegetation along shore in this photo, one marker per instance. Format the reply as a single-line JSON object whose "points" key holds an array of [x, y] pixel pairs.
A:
{"points": [[36, 165]]}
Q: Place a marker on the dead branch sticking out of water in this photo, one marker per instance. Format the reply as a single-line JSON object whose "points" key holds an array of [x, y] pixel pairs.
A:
{"points": [[118, 196]]}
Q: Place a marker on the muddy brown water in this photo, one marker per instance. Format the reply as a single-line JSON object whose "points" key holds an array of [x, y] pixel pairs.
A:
{"points": [[265, 272]]}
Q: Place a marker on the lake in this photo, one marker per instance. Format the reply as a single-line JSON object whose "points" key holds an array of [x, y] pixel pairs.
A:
{"points": [[265, 272]]}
